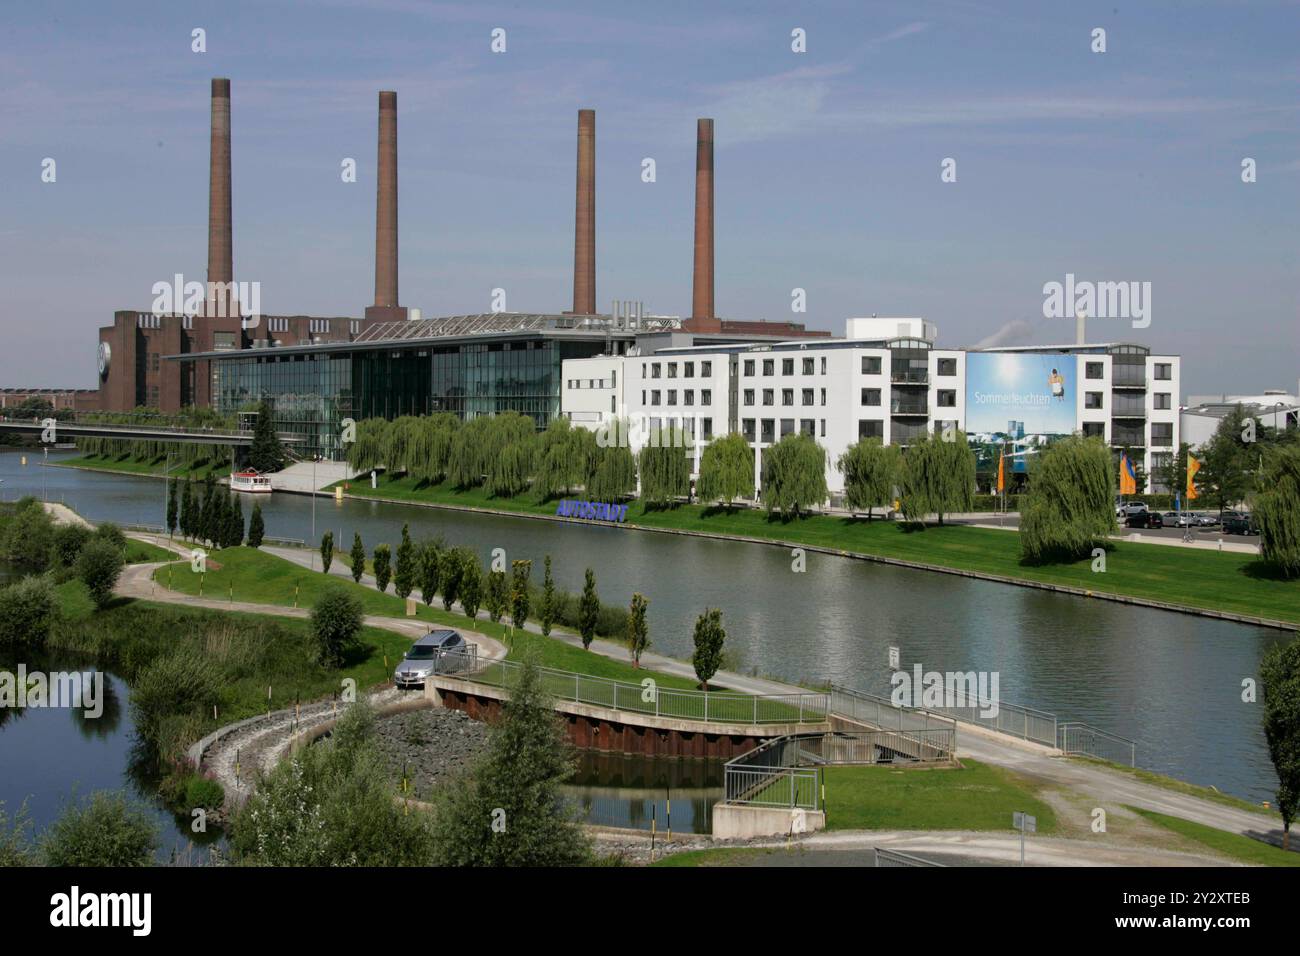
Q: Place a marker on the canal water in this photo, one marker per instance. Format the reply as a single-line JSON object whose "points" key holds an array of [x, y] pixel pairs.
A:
{"points": [[1172, 682]]}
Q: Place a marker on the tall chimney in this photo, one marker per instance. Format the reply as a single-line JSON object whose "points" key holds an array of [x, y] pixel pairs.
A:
{"points": [[584, 228], [221, 265], [702, 293], [386, 203]]}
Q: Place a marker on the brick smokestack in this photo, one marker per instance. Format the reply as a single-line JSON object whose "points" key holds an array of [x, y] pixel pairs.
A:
{"points": [[702, 318], [221, 256], [584, 229], [386, 203]]}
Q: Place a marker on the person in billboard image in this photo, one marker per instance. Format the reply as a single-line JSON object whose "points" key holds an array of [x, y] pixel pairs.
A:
{"points": [[1057, 385]]}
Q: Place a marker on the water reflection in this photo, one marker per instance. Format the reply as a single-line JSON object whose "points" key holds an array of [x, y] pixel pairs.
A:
{"points": [[632, 792]]}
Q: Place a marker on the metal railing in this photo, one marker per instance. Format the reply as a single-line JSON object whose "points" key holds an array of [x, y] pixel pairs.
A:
{"points": [[1023, 722], [785, 771], [898, 858], [650, 699], [867, 708], [1080, 738]]}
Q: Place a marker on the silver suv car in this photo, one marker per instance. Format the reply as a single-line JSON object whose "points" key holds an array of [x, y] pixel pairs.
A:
{"points": [[438, 652]]}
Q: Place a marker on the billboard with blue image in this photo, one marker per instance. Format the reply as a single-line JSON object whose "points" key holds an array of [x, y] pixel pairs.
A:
{"points": [[1019, 394]]}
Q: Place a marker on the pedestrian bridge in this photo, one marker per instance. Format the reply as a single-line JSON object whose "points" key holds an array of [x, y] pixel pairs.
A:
{"points": [[62, 431]]}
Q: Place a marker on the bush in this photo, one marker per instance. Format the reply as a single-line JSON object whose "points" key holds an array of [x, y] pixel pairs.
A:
{"points": [[99, 565], [112, 534], [69, 539], [332, 804], [29, 538], [15, 840], [326, 551], [203, 792], [335, 624], [27, 612], [104, 830], [383, 566], [256, 526], [182, 682]]}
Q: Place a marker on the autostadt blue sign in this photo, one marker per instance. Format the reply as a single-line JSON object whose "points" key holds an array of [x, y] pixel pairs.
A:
{"points": [[591, 510]]}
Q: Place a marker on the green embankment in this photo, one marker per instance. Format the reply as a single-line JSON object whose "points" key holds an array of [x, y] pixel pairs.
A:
{"points": [[974, 796], [1233, 845], [1195, 578], [261, 578], [130, 630], [155, 466]]}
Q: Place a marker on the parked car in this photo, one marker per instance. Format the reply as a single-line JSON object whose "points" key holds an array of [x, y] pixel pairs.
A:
{"points": [[1131, 508], [438, 652], [1145, 519], [1208, 520], [1179, 519], [1239, 523]]}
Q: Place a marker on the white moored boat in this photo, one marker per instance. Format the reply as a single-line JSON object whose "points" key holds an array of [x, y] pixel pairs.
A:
{"points": [[250, 481]]}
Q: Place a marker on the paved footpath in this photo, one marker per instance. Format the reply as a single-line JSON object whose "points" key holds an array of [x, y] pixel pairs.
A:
{"points": [[1108, 788]]}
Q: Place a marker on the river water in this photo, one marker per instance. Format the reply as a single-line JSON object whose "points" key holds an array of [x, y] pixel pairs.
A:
{"points": [[1172, 682]]}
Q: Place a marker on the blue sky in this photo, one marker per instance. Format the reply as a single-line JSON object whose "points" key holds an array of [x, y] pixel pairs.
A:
{"points": [[1123, 165]]}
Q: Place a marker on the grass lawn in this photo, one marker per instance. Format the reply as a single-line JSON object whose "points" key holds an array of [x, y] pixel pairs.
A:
{"points": [[1203, 579], [974, 796], [142, 552], [1241, 848], [263, 578]]}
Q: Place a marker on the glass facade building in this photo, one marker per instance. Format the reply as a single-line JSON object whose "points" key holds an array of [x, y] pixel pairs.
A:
{"points": [[313, 389]]}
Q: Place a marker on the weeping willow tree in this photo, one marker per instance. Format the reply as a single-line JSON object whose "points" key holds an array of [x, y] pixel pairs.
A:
{"points": [[613, 474], [871, 471], [401, 444], [664, 467], [1277, 511], [565, 457], [1069, 508], [368, 450], [465, 462], [183, 456], [938, 476], [431, 451], [726, 469], [794, 475], [510, 455]]}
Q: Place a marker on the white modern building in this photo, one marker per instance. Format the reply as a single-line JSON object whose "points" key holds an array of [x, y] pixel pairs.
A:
{"points": [[884, 379], [1274, 408]]}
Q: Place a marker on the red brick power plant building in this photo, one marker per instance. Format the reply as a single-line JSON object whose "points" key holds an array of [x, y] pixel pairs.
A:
{"points": [[134, 365]]}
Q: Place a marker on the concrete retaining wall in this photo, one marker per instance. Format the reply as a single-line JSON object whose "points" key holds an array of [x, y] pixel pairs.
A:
{"points": [[741, 822]]}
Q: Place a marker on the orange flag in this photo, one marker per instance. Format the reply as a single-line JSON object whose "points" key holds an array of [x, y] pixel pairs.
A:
{"points": [[1002, 477], [1127, 479], [1193, 466]]}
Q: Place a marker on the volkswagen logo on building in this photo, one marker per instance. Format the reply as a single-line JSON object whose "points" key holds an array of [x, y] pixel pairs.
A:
{"points": [[105, 356]]}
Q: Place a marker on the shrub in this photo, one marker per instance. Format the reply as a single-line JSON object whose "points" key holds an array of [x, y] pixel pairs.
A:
{"points": [[709, 638], [69, 539], [15, 840], [332, 804], [326, 551], [358, 557], [27, 612], [99, 565], [29, 539], [335, 623], [588, 610], [638, 632], [404, 579], [103, 830], [256, 526], [112, 534], [518, 781], [184, 681], [471, 582], [383, 566], [203, 792]]}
